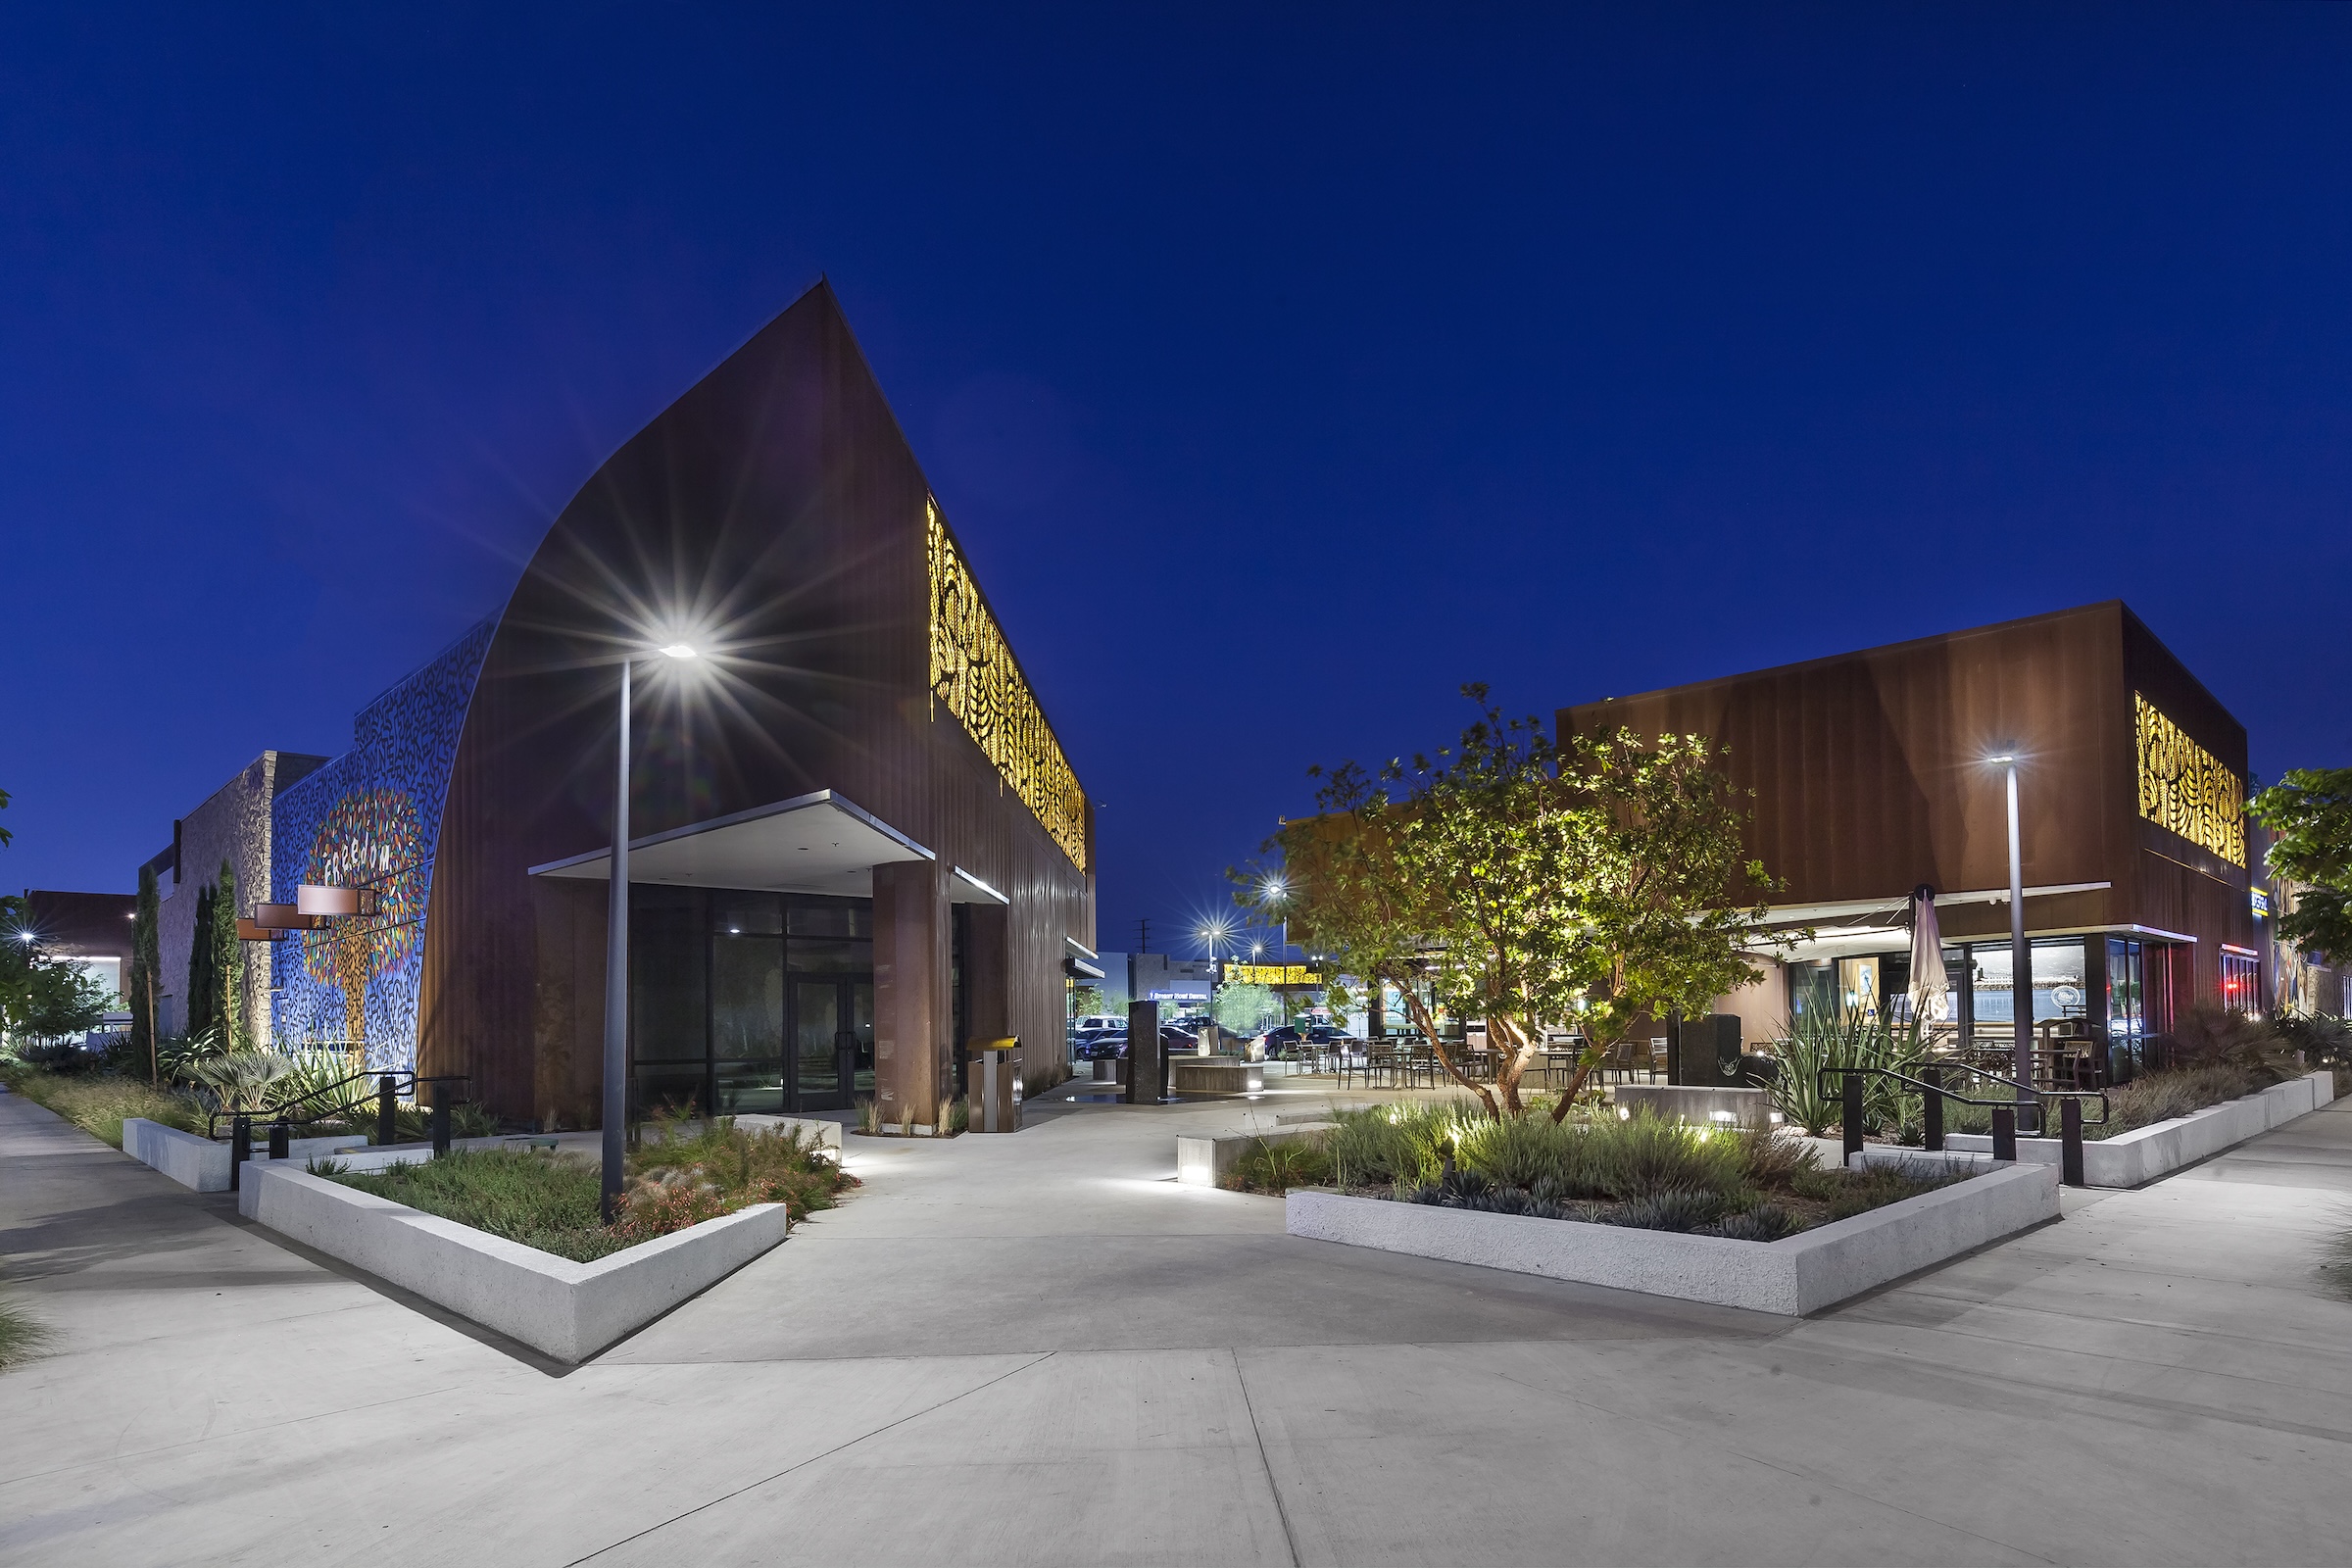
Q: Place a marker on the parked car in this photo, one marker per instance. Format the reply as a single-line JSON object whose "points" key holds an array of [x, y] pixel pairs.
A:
{"points": [[1099, 1023]]}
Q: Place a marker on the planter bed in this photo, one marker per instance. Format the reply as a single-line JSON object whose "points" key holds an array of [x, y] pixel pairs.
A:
{"points": [[563, 1310], [2145, 1154], [1799, 1274]]}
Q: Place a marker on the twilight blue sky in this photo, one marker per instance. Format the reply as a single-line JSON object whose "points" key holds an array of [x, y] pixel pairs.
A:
{"points": [[1281, 368]]}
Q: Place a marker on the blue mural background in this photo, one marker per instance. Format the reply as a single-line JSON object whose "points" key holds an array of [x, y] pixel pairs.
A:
{"points": [[372, 817]]}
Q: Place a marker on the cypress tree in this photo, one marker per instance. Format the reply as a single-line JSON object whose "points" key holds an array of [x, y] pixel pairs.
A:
{"points": [[200, 965], [145, 974], [228, 963]]}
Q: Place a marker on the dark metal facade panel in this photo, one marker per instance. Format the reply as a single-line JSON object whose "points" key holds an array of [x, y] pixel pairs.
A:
{"points": [[777, 504], [1868, 768], [1869, 777]]}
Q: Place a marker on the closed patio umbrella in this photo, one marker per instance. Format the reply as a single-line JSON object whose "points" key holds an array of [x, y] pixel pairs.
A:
{"points": [[1931, 991]]}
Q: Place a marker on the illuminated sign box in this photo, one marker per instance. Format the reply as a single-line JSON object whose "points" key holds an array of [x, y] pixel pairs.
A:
{"points": [[973, 673], [2185, 789], [1271, 974]]}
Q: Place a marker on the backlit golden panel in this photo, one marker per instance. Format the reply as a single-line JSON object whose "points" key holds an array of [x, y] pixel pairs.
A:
{"points": [[2184, 788], [973, 673]]}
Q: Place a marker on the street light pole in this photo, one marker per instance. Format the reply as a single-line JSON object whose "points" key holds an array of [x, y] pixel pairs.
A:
{"points": [[2021, 956], [617, 973], [617, 957]]}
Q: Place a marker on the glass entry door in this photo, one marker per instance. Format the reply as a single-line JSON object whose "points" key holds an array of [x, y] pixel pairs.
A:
{"points": [[832, 1039]]}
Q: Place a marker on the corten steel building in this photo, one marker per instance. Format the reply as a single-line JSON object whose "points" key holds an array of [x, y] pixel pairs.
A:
{"points": [[856, 844], [1870, 778]]}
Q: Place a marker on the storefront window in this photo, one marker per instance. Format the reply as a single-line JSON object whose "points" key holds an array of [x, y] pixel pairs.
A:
{"points": [[2126, 993], [2242, 981], [2057, 981]]}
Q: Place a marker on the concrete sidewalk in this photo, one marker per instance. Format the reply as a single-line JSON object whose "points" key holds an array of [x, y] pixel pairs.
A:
{"points": [[1041, 1349]]}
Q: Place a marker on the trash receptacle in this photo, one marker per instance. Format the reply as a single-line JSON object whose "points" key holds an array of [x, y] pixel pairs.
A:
{"points": [[994, 1085]]}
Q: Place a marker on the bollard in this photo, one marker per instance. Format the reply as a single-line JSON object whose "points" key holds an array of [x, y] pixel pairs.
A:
{"points": [[2004, 1133], [1932, 1111], [440, 1122], [240, 1136], [281, 1140], [387, 1118], [1850, 1116], [2070, 1148]]}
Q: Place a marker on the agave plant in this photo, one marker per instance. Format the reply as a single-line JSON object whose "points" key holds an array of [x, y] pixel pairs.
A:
{"points": [[1818, 1039]]}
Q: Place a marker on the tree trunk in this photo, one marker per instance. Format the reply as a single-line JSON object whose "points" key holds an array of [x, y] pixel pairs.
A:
{"points": [[1426, 1021]]}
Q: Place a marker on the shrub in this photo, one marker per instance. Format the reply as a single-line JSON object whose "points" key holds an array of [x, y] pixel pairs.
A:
{"points": [[1770, 1156], [1392, 1144], [22, 1336], [2206, 1036], [2335, 1264], [2164, 1095], [555, 1205], [1671, 1208], [1644, 1155], [745, 1167], [1766, 1222], [1522, 1151], [1847, 1193]]}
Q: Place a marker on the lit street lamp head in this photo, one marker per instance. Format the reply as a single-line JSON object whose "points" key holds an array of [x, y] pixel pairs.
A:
{"points": [[681, 651]]}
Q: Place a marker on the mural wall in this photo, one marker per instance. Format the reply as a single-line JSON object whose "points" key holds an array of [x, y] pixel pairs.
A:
{"points": [[372, 818]]}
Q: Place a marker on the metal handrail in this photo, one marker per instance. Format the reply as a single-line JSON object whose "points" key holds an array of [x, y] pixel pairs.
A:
{"points": [[2004, 1111], [275, 1114], [281, 1126]]}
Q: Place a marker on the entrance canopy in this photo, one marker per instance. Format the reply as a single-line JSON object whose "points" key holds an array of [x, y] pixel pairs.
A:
{"points": [[815, 843]]}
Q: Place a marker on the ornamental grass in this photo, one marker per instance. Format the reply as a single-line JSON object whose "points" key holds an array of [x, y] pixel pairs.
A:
{"points": [[100, 1103]]}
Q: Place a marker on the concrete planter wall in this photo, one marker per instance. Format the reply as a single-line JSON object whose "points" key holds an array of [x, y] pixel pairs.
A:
{"points": [[199, 1162], [2141, 1155], [1800, 1274], [564, 1309]]}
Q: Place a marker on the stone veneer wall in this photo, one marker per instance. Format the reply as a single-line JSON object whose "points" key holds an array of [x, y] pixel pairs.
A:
{"points": [[233, 824], [373, 817]]}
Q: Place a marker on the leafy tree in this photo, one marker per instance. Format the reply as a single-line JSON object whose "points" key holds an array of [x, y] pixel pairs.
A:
{"points": [[1244, 1009], [1086, 1001], [1509, 881], [42, 997], [2310, 811], [5, 837]]}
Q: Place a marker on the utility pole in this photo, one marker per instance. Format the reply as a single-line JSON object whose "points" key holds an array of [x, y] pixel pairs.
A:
{"points": [[1142, 936]]}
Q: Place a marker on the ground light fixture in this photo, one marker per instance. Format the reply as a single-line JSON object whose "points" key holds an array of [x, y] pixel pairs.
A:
{"points": [[616, 952], [2021, 956]]}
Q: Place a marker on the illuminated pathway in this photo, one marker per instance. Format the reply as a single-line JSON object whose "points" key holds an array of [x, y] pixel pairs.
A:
{"points": [[1038, 1350]]}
